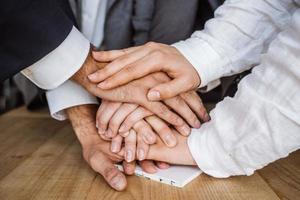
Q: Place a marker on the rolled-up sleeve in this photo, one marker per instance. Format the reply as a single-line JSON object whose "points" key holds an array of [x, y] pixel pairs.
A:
{"points": [[235, 38], [261, 123]]}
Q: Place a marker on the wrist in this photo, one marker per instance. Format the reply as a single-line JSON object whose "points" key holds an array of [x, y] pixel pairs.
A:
{"points": [[83, 122], [89, 66]]}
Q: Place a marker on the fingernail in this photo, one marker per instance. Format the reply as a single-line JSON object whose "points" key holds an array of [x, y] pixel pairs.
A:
{"points": [[197, 124], [206, 117], [125, 134], [170, 141], [101, 131], [92, 77], [148, 138], [186, 130], [109, 133], [114, 147], [153, 95], [96, 124], [141, 154], [123, 128], [118, 183], [129, 156], [102, 85]]}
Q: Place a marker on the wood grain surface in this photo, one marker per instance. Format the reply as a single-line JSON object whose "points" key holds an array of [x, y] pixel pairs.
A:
{"points": [[41, 159]]}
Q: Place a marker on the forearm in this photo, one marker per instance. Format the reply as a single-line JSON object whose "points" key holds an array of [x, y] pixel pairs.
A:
{"points": [[82, 119], [261, 123], [89, 66]]}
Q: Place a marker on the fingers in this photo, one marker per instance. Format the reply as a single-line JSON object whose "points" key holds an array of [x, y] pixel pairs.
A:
{"points": [[145, 132], [195, 103], [162, 129], [132, 69], [125, 57], [181, 107], [116, 144], [130, 146], [163, 112], [143, 136], [135, 116], [118, 117], [162, 165], [108, 56], [101, 164], [104, 114], [169, 89], [148, 166], [129, 167], [142, 148]]}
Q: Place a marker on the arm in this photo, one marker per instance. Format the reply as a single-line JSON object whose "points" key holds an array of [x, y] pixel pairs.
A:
{"points": [[261, 123], [258, 126], [234, 39], [96, 151], [230, 43], [31, 31]]}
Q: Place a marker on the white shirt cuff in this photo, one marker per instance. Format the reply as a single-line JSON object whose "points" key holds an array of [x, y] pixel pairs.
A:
{"points": [[61, 63], [67, 95], [204, 59]]}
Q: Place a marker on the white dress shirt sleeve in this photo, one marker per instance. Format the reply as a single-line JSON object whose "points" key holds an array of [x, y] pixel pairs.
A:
{"points": [[61, 63], [69, 94], [233, 41], [262, 122]]}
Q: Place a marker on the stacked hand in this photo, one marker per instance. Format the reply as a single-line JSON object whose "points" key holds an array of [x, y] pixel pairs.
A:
{"points": [[148, 108]]}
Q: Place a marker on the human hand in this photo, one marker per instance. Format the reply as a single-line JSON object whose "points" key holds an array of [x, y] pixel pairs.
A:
{"points": [[180, 154], [136, 62], [111, 115], [96, 151], [136, 91]]}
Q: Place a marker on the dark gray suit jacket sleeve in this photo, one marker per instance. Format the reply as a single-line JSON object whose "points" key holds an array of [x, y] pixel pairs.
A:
{"points": [[29, 30]]}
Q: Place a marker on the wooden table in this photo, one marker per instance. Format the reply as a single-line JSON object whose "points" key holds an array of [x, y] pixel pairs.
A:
{"points": [[41, 159]]}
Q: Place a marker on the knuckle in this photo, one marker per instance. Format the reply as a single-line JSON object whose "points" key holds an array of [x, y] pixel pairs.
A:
{"points": [[92, 159], [164, 130], [178, 101], [151, 44], [109, 172], [158, 55], [162, 110], [113, 125], [129, 70], [102, 121], [122, 94]]}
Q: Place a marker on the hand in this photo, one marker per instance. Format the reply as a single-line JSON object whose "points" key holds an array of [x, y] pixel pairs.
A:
{"points": [[180, 154], [131, 93], [136, 62], [136, 91], [111, 115], [95, 150]]}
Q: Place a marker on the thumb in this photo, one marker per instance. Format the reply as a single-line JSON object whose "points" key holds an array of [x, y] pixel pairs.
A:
{"points": [[101, 164], [169, 89]]}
